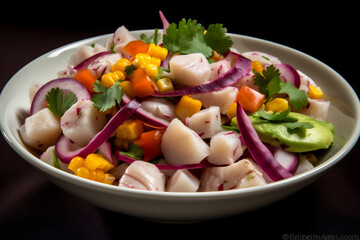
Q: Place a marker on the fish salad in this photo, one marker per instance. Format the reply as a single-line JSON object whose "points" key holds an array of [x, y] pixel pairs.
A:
{"points": [[178, 111]]}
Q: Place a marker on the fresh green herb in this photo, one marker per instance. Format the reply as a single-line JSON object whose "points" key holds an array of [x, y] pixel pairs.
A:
{"points": [[129, 69], [230, 128], [106, 98], [291, 123], [270, 84], [112, 46], [56, 160], [134, 151], [152, 39], [274, 116], [188, 37], [58, 103], [216, 38]]}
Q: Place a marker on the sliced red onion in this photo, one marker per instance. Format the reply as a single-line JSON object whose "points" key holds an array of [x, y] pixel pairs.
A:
{"points": [[106, 151], [165, 22], [66, 84], [289, 74], [260, 153], [240, 69], [89, 60], [202, 164], [145, 116], [288, 160], [63, 145]]}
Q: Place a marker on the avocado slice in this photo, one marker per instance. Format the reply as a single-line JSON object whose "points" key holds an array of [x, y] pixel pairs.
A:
{"points": [[321, 136]]}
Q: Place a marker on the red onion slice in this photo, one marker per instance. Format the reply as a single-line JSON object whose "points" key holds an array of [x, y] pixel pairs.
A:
{"points": [[289, 74], [145, 116], [240, 69], [89, 60], [260, 153], [66, 84], [63, 145]]}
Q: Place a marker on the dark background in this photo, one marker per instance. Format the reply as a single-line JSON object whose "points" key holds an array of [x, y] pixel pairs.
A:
{"points": [[33, 208]]}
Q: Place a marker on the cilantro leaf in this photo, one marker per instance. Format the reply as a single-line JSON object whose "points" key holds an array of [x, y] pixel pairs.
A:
{"points": [[151, 39], [58, 103], [134, 151], [270, 83], [188, 37], [298, 98], [106, 98], [215, 37], [274, 116]]}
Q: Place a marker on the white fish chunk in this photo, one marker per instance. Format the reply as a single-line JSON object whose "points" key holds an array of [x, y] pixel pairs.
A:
{"points": [[81, 122], [143, 175], [225, 148], [181, 145], [226, 178], [190, 70], [222, 98], [207, 122], [41, 130], [182, 181]]}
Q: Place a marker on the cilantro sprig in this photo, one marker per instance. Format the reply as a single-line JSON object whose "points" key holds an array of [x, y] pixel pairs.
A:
{"points": [[57, 103], [190, 37], [271, 84], [106, 98]]}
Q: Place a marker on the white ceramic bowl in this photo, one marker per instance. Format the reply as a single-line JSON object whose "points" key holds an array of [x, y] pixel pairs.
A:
{"points": [[344, 114]]}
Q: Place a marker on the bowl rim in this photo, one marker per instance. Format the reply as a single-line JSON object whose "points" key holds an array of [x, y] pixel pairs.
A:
{"points": [[70, 178]]}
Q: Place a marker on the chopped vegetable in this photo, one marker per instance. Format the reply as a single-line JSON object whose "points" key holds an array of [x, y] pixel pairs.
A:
{"points": [[135, 47], [142, 84], [250, 99], [86, 78], [187, 107], [150, 142]]}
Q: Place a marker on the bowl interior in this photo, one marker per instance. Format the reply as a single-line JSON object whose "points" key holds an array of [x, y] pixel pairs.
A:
{"points": [[344, 112]]}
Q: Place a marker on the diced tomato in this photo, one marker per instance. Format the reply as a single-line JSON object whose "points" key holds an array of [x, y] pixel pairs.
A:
{"points": [[250, 99], [150, 142], [142, 84], [86, 78], [135, 47]]}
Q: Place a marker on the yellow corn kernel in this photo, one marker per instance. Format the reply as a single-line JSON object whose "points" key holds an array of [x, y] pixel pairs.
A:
{"points": [[108, 79], [128, 89], [76, 163], [96, 161], [315, 92], [231, 112], [155, 61], [151, 70], [277, 105], [120, 65], [121, 143], [108, 178], [130, 129], [82, 172], [187, 107], [257, 66], [165, 85], [157, 51], [142, 60], [97, 175]]}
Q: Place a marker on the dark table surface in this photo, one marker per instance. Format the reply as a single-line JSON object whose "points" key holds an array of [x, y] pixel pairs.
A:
{"points": [[31, 207]]}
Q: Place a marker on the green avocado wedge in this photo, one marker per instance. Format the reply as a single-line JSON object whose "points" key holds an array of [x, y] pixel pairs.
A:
{"points": [[320, 136]]}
